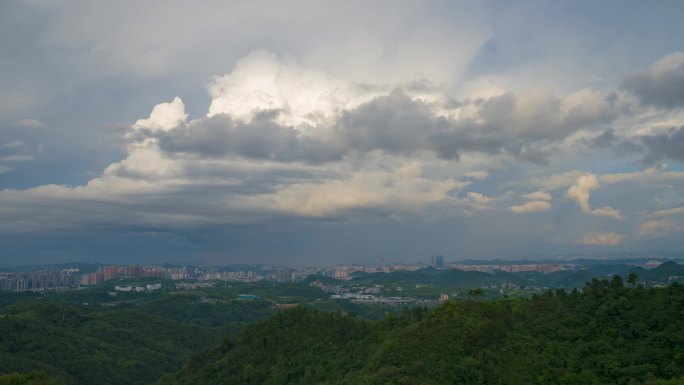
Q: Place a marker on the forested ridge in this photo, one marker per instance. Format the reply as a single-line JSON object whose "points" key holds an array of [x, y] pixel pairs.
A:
{"points": [[610, 332], [86, 346], [607, 333]]}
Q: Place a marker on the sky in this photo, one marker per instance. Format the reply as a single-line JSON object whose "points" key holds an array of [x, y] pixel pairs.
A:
{"points": [[327, 132]]}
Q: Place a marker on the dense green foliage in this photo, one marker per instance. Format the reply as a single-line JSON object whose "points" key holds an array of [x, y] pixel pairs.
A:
{"points": [[608, 333], [434, 281], [32, 378], [366, 311], [94, 337], [611, 332], [189, 310], [82, 345]]}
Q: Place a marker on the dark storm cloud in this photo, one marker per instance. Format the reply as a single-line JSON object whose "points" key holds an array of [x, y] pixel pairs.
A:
{"points": [[519, 125], [251, 175], [195, 205], [394, 123], [662, 146], [261, 138], [654, 148], [662, 85], [606, 139], [621, 146]]}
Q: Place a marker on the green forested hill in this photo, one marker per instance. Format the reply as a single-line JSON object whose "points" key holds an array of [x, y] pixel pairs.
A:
{"points": [[447, 278], [91, 337], [81, 345], [606, 334], [31, 378]]}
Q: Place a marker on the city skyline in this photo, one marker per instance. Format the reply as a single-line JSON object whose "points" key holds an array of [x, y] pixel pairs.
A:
{"points": [[322, 132], [346, 281]]}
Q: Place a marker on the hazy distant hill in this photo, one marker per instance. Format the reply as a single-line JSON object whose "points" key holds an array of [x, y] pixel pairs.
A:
{"points": [[83, 267], [447, 278], [662, 272], [459, 279]]}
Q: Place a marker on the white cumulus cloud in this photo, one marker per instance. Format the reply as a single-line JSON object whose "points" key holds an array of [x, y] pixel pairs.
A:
{"points": [[531, 206], [608, 239], [581, 192], [478, 175], [538, 196], [659, 229]]}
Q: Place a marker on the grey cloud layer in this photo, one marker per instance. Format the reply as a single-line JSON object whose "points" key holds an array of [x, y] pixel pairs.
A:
{"points": [[261, 138], [669, 145], [396, 124], [661, 85], [524, 125], [656, 147]]}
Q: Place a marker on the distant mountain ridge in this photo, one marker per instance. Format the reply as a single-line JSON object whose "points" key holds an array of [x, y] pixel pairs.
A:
{"points": [[459, 279]]}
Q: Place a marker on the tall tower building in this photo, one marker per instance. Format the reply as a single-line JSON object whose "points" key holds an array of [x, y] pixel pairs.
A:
{"points": [[110, 272]]}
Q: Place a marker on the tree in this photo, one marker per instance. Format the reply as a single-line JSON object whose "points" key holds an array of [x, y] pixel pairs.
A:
{"points": [[633, 279], [476, 293], [616, 282]]}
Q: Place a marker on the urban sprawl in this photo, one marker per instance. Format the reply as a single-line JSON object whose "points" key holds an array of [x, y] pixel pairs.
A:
{"points": [[52, 279]]}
